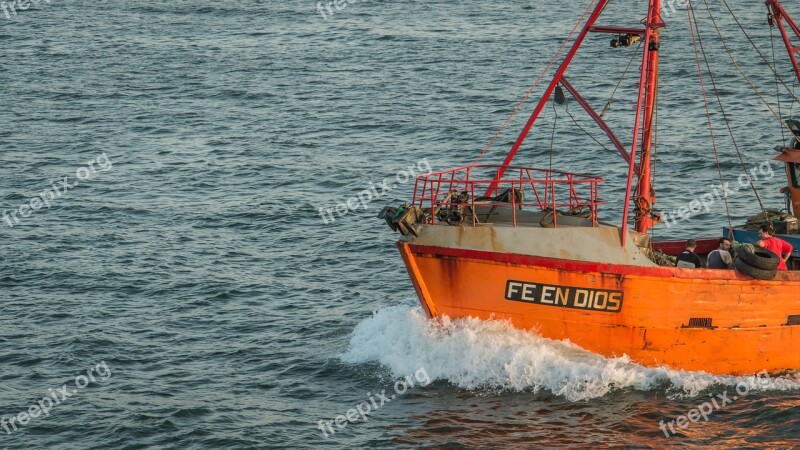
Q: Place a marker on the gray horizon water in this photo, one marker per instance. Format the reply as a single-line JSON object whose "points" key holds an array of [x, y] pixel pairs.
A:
{"points": [[193, 278]]}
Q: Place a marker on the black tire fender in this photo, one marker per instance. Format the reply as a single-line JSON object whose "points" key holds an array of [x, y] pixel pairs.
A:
{"points": [[761, 259], [754, 272]]}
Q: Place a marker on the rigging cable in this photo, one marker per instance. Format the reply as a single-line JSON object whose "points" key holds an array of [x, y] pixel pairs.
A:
{"points": [[587, 132], [736, 64], [643, 213], [730, 55], [693, 18], [763, 58], [791, 108], [535, 84], [553, 136], [777, 85], [619, 83], [653, 147]]}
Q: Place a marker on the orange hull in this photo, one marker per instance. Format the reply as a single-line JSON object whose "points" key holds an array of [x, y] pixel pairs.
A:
{"points": [[715, 321]]}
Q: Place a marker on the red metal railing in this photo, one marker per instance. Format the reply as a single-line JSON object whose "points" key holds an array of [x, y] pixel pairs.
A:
{"points": [[542, 190]]}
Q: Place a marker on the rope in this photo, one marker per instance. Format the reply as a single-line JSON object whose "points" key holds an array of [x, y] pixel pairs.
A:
{"points": [[553, 136], [647, 212], [763, 58], [653, 160], [716, 92], [777, 84], [738, 67], [690, 14], [535, 84], [624, 74], [586, 132]]}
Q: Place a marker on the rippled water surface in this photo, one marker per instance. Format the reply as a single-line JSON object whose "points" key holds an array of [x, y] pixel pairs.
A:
{"points": [[188, 286]]}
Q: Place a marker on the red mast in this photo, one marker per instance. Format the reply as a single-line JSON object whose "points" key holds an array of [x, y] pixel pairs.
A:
{"points": [[645, 196], [648, 82]]}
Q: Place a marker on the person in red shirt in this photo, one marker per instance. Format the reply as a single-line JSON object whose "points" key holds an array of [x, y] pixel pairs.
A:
{"points": [[778, 246]]}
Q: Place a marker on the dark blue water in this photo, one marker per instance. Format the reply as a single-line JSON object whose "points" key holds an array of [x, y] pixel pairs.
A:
{"points": [[186, 283]]}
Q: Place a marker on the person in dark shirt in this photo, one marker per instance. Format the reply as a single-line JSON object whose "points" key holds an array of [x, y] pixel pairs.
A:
{"points": [[687, 259], [721, 257]]}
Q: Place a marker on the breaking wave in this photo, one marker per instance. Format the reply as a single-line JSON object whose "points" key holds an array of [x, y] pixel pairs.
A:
{"points": [[475, 354]]}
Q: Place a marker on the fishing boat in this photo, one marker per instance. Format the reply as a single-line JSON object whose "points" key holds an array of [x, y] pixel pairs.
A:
{"points": [[526, 245]]}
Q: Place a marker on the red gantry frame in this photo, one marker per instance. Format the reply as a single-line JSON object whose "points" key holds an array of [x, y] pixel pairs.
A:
{"points": [[643, 129], [429, 186]]}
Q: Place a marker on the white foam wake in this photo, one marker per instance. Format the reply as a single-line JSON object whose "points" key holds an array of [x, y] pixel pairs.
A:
{"points": [[476, 354]]}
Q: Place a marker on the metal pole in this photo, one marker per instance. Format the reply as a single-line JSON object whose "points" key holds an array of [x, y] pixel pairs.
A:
{"points": [[599, 120], [644, 192], [649, 31], [779, 14]]}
